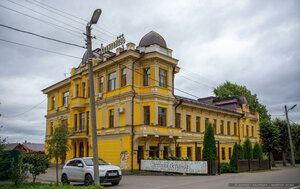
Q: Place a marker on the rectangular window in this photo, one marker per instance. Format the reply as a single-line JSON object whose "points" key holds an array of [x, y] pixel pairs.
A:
{"points": [[112, 81], [222, 127], [206, 122], [75, 122], [199, 152], [147, 115], [223, 154], [87, 120], [189, 152], [198, 128], [228, 127], [81, 121], [229, 152], [252, 131], [123, 77], [147, 77], [178, 151], [101, 85], [215, 126], [77, 90], [53, 102], [188, 123], [111, 118], [162, 116], [65, 99], [178, 120], [247, 130], [235, 129], [162, 78], [83, 90]]}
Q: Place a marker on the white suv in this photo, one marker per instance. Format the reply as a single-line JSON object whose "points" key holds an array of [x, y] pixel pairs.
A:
{"points": [[81, 170]]}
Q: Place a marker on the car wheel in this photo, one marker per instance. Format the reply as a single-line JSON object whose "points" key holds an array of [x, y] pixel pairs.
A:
{"points": [[115, 183], [88, 180], [64, 179]]}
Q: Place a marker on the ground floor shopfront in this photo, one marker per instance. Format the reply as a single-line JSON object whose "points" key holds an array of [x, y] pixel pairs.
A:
{"points": [[126, 150]]}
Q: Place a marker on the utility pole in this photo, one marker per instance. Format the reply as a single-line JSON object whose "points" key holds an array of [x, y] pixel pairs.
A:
{"points": [[94, 20], [289, 131]]}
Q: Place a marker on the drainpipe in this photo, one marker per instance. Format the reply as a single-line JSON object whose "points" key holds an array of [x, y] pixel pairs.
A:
{"points": [[132, 109]]}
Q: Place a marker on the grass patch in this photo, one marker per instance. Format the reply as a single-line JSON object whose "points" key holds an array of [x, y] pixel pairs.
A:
{"points": [[46, 186]]}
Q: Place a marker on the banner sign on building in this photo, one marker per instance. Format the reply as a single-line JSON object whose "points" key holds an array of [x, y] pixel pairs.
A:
{"points": [[120, 41], [194, 167]]}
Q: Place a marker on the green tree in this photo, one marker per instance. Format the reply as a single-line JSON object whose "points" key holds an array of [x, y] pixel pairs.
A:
{"points": [[269, 136], [240, 151], [233, 160], [229, 89], [209, 144], [237, 149], [284, 145], [36, 164], [248, 152], [257, 151], [58, 146]]}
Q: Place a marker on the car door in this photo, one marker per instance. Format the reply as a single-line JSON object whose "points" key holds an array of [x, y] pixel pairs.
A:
{"points": [[70, 170], [80, 171]]}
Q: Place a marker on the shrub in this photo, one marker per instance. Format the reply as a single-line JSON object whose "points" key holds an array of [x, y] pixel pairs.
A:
{"points": [[227, 168], [18, 171], [257, 151], [240, 151], [248, 152], [36, 164], [209, 144]]}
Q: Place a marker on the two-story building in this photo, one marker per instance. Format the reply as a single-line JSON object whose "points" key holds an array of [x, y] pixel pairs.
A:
{"points": [[138, 116]]}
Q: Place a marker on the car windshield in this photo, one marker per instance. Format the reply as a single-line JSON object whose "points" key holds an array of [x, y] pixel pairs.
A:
{"points": [[89, 162]]}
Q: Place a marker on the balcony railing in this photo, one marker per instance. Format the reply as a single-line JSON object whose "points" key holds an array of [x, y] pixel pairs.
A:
{"points": [[157, 130], [78, 103]]}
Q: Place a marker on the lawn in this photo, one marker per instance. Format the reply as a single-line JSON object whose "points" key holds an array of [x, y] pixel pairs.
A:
{"points": [[46, 186]]}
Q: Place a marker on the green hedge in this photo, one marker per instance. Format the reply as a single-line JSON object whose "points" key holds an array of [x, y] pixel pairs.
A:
{"points": [[227, 168]]}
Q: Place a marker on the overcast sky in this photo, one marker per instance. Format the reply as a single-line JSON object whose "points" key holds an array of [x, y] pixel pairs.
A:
{"points": [[251, 43]]}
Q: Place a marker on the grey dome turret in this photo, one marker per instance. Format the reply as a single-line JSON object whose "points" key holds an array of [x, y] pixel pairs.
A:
{"points": [[152, 38]]}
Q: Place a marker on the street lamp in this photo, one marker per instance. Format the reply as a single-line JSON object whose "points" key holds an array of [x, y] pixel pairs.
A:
{"points": [[289, 131], [94, 20]]}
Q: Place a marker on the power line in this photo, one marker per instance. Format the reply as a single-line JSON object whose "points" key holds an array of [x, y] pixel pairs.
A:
{"points": [[52, 39], [210, 80], [42, 5], [197, 82], [79, 29], [72, 32], [37, 3], [17, 115], [45, 50]]}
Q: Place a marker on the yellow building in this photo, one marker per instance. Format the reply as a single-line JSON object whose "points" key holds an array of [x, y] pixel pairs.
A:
{"points": [[138, 116]]}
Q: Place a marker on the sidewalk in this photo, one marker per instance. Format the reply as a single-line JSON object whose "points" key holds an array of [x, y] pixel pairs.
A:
{"points": [[49, 176]]}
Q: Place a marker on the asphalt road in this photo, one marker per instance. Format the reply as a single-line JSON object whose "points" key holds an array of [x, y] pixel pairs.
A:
{"points": [[278, 175]]}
